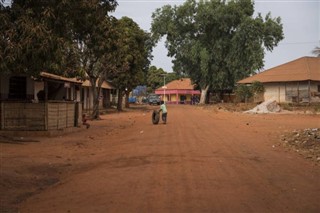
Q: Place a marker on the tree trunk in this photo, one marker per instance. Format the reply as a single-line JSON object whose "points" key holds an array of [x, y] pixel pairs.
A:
{"points": [[119, 105], [107, 98], [96, 111], [203, 95], [95, 92], [127, 99]]}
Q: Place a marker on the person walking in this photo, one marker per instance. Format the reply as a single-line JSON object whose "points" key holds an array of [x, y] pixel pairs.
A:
{"points": [[163, 109]]}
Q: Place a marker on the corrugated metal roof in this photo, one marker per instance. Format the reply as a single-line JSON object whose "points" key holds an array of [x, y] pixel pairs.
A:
{"points": [[183, 83], [302, 69]]}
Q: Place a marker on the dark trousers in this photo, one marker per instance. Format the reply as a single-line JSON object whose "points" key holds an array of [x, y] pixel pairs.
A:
{"points": [[164, 117]]}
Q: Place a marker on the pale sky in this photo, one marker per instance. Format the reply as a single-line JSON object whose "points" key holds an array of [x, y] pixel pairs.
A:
{"points": [[300, 19]]}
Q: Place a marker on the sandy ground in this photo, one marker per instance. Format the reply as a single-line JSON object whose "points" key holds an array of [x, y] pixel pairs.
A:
{"points": [[202, 160]]}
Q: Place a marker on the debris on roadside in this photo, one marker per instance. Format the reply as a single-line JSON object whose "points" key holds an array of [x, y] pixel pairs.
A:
{"points": [[270, 106], [306, 142]]}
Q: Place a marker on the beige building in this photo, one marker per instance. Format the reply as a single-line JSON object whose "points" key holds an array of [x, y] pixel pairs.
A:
{"points": [[296, 81]]}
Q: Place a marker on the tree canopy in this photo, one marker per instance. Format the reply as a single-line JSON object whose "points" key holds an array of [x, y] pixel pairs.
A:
{"points": [[95, 37], [133, 57], [34, 38], [157, 77], [73, 38], [216, 42]]}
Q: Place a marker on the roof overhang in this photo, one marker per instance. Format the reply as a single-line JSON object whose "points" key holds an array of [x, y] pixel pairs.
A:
{"points": [[45, 75], [104, 85]]}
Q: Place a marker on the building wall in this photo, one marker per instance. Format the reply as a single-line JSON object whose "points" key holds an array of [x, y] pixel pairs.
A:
{"points": [[288, 92], [176, 96], [87, 98], [4, 87], [173, 97], [315, 91], [30, 88], [274, 91]]}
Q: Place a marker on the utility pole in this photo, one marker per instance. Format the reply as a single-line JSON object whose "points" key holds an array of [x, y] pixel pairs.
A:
{"points": [[164, 86]]}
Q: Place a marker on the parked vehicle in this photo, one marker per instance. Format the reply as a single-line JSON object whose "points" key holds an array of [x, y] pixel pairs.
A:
{"points": [[144, 100], [154, 99]]}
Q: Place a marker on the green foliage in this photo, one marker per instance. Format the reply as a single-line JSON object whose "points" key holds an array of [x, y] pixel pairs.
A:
{"points": [[62, 37], [132, 56], [243, 92], [216, 43], [171, 76], [257, 87], [93, 33], [32, 38], [157, 77], [43, 35]]}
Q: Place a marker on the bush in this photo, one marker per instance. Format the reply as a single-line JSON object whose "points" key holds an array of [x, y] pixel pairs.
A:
{"points": [[243, 93], [246, 92], [257, 87]]}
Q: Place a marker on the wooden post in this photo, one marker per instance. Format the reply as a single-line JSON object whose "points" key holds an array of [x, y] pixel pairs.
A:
{"points": [[46, 115], [279, 92], [298, 94], [74, 92], [2, 115], [309, 92], [177, 98], [45, 91], [285, 91]]}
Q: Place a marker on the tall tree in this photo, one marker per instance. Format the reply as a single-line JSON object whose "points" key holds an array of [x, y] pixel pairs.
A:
{"points": [[216, 42], [133, 58], [93, 30]]}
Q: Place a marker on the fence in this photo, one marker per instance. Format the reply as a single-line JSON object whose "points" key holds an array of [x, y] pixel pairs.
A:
{"points": [[39, 116]]}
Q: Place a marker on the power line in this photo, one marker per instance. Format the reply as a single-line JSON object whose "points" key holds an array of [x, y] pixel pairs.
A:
{"points": [[301, 42]]}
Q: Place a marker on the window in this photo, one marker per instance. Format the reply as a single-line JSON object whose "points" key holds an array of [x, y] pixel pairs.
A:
{"points": [[17, 87]]}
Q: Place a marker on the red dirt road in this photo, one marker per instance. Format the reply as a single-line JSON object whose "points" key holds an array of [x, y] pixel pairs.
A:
{"points": [[200, 161]]}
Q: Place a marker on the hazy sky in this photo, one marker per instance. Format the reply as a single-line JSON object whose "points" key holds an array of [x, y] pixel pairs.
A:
{"points": [[300, 19]]}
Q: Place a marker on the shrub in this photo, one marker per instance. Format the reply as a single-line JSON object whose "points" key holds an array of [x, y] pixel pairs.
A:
{"points": [[243, 92], [257, 87]]}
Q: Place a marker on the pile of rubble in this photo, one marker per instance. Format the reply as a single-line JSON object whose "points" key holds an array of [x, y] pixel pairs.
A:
{"points": [[306, 142], [270, 106]]}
